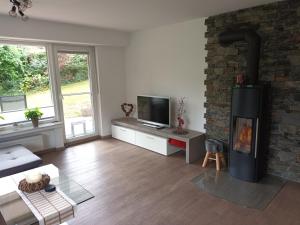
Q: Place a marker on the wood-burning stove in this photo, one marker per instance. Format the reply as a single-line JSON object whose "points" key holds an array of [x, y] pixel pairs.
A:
{"points": [[248, 122], [248, 132]]}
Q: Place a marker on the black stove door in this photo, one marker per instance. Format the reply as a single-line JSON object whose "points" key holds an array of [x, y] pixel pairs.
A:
{"points": [[244, 128], [243, 149]]}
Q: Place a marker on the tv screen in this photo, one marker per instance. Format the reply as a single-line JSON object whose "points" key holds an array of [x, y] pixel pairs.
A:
{"points": [[154, 110]]}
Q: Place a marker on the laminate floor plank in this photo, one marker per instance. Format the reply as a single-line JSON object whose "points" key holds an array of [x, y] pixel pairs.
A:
{"points": [[133, 186]]}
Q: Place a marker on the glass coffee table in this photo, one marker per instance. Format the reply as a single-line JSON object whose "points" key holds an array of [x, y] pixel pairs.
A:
{"points": [[14, 211]]}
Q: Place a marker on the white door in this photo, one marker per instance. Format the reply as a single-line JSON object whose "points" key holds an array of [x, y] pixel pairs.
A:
{"points": [[75, 69]]}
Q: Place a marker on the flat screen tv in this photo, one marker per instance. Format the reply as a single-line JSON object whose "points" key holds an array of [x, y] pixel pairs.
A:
{"points": [[154, 110]]}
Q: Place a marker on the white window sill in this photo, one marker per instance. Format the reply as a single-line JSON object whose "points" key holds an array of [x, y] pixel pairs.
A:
{"points": [[7, 132]]}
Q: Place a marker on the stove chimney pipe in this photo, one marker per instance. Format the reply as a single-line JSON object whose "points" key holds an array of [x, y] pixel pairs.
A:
{"points": [[252, 38]]}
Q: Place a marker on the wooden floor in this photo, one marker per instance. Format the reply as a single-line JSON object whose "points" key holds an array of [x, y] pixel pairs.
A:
{"points": [[133, 186]]}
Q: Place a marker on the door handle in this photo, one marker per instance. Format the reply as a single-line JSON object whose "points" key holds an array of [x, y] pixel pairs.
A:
{"points": [[256, 137]]}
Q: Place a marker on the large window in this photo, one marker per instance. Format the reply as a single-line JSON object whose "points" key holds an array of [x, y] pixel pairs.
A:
{"points": [[24, 82]]}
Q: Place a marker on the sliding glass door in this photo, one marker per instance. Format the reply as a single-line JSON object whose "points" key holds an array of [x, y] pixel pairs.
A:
{"points": [[75, 69]]}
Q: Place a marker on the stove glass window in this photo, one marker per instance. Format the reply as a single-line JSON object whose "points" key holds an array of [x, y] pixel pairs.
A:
{"points": [[242, 136]]}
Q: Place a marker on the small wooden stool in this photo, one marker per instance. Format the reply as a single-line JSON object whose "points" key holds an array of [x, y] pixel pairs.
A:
{"points": [[214, 151]]}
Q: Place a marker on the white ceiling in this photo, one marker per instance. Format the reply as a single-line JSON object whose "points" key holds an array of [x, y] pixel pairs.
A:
{"points": [[129, 14]]}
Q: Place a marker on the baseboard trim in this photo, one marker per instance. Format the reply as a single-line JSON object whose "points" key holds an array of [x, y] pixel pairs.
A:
{"points": [[83, 141], [74, 143], [106, 137], [49, 150]]}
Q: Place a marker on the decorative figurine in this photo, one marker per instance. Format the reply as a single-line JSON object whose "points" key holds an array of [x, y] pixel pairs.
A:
{"points": [[180, 125], [240, 79]]}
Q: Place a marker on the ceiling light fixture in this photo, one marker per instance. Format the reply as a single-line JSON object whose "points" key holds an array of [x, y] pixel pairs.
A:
{"points": [[19, 7]]}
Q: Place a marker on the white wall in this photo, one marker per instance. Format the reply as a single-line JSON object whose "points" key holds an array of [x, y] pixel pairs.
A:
{"points": [[111, 71], [49, 137], [39, 30], [170, 61], [163, 61]]}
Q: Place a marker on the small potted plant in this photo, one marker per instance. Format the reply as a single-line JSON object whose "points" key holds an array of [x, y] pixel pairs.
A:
{"points": [[34, 115]]}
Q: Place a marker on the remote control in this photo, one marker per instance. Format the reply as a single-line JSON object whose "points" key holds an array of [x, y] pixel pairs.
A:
{"points": [[50, 188]]}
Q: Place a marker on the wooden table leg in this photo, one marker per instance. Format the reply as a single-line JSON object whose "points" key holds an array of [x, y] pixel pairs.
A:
{"points": [[218, 161], [195, 149], [205, 159]]}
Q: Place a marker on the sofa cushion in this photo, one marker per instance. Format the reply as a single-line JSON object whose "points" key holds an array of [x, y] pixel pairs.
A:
{"points": [[16, 159]]}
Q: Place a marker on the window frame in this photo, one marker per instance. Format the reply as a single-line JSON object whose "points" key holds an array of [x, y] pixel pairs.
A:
{"points": [[54, 82], [51, 74]]}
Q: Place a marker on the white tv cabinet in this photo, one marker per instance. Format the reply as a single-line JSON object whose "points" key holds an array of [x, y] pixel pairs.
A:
{"points": [[133, 132]]}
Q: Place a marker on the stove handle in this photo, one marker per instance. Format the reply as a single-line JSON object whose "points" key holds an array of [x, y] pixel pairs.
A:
{"points": [[256, 137]]}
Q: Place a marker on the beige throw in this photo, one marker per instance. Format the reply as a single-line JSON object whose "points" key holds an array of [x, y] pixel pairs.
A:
{"points": [[50, 208]]}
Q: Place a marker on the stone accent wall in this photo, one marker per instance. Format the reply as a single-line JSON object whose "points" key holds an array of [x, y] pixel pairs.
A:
{"points": [[278, 24]]}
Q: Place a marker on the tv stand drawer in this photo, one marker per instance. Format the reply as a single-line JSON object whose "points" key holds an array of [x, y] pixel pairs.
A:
{"points": [[123, 134], [151, 142]]}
